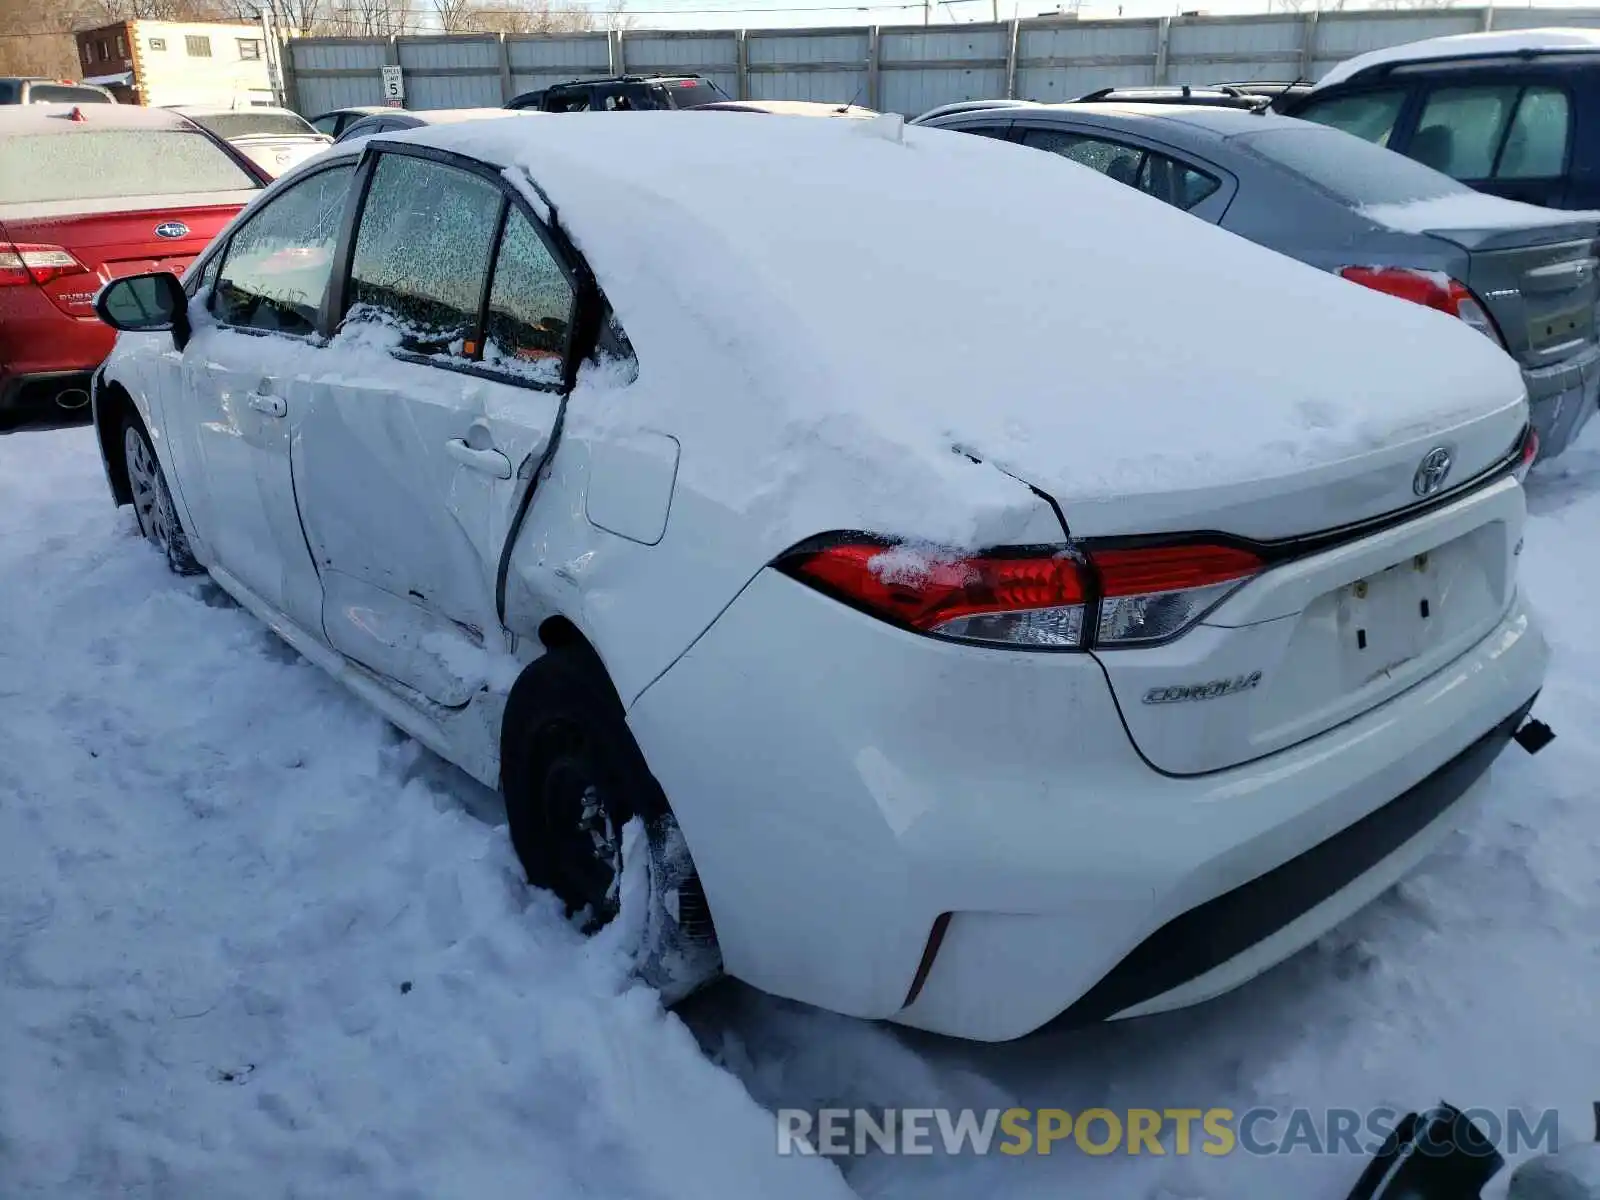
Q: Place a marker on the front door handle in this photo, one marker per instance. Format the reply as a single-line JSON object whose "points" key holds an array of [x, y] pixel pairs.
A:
{"points": [[490, 462], [273, 406]]}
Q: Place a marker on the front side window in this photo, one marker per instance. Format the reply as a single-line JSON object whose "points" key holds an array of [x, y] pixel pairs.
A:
{"points": [[197, 47], [278, 263], [1370, 116], [422, 255], [328, 125], [577, 101], [530, 306]]}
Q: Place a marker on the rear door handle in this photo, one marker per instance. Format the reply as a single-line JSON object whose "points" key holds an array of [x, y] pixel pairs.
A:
{"points": [[490, 462], [273, 406]]}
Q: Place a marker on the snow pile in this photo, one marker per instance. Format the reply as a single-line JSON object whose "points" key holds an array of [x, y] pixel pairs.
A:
{"points": [[821, 313], [1510, 41], [252, 942]]}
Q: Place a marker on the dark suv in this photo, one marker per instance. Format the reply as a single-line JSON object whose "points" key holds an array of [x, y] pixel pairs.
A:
{"points": [[1515, 123], [623, 93], [26, 89]]}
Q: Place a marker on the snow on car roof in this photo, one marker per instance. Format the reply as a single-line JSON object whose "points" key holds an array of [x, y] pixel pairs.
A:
{"points": [[946, 294], [1512, 41], [57, 118]]}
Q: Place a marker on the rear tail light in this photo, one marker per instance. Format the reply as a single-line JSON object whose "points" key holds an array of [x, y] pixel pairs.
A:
{"points": [[1152, 594], [1431, 289], [26, 263], [1040, 598], [1527, 453]]}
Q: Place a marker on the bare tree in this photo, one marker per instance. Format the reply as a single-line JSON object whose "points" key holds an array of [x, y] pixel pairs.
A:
{"points": [[537, 17], [368, 18], [455, 16]]}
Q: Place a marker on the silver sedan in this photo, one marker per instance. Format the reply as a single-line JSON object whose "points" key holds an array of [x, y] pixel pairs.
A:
{"points": [[1523, 276]]}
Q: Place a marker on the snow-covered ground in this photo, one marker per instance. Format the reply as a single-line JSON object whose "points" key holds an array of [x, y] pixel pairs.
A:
{"points": [[253, 943]]}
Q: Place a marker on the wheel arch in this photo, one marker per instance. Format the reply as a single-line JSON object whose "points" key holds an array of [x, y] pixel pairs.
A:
{"points": [[556, 633], [112, 406]]}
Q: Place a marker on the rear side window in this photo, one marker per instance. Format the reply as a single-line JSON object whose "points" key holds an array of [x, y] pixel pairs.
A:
{"points": [[1158, 175], [9, 90], [1460, 129], [1370, 116], [1536, 143], [530, 306], [422, 254], [278, 262], [102, 163]]}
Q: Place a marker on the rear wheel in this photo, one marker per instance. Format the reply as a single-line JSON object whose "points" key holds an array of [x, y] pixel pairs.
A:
{"points": [[573, 779], [152, 501]]}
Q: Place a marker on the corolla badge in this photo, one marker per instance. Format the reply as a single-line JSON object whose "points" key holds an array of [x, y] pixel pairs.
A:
{"points": [[1431, 472], [172, 229]]}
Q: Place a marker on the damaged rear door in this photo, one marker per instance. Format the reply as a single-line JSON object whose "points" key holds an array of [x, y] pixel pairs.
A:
{"points": [[417, 448]]}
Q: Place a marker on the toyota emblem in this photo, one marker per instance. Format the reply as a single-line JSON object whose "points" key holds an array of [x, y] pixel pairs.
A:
{"points": [[1431, 472], [172, 229]]}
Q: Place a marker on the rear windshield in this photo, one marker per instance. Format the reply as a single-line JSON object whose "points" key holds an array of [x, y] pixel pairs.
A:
{"points": [[230, 125], [1349, 168], [102, 163], [55, 93], [691, 93]]}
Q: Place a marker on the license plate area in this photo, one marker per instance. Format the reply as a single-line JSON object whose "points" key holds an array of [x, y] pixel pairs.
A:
{"points": [[1387, 619], [1413, 608]]}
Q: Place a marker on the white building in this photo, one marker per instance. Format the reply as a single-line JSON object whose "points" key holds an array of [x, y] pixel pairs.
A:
{"points": [[162, 63]]}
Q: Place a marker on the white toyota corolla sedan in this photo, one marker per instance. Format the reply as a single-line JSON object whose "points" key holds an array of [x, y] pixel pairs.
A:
{"points": [[997, 595]]}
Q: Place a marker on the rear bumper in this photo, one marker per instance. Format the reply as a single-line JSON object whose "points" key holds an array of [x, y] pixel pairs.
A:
{"points": [[843, 785], [1202, 952], [43, 352], [61, 396], [1561, 399]]}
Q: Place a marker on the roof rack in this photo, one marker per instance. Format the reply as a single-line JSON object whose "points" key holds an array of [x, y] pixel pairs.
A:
{"points": [[1523, 52], [625, 79], [1182, 93]]}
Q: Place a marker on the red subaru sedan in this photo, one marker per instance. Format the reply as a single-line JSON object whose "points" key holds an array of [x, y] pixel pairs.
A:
{"points": [[87, 195]]}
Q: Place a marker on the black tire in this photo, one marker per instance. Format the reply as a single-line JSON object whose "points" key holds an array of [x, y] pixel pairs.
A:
{"points": [[152, 500], [573, 777]]}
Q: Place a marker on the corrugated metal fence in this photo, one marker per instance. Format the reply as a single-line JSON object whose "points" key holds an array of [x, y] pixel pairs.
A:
{"points": [[906, 69]]}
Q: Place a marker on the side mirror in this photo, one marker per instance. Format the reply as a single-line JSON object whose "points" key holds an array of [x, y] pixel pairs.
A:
{"points": [[151, 303]]}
